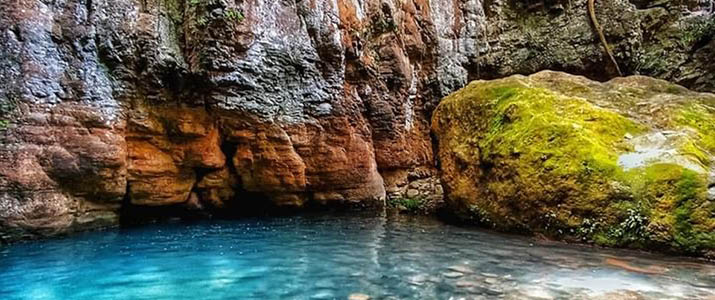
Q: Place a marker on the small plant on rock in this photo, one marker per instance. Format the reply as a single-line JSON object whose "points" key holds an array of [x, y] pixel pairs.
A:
{"points": [[7, 106], [409, 203], [233, 15]]}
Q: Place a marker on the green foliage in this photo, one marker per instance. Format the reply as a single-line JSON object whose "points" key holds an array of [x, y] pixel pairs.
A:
{"points": [[233, 15], [202, 21], [7, 107], [229, 14], [700, 30], [383, 24], [410, 203], [480, 215], [631, 231]]}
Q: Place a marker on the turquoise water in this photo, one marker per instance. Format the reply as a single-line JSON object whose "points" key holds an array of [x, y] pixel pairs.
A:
{"points": [[332, 257]]}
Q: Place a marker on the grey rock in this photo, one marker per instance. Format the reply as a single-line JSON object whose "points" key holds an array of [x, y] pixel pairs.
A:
{"points": [[452, 274], [411, 193]]}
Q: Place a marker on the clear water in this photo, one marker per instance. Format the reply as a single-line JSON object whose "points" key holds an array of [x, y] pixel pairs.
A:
{"points": [[332, 257]]}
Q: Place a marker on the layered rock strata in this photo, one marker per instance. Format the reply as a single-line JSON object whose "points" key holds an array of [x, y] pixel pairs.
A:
{"points": [[221, 105]]}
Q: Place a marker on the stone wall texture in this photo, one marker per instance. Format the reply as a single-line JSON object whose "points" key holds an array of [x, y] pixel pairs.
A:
{"points": [[220, 105]]}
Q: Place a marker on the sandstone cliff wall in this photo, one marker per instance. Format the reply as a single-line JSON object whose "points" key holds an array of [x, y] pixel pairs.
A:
{"points": [[220, 105]]}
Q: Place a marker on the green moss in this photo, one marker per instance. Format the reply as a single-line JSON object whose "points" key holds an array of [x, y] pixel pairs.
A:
{"points": [[693, 230], [540, 136], [701, 118], [673, 199], [532, 159], [566, 136], [691, 148]]}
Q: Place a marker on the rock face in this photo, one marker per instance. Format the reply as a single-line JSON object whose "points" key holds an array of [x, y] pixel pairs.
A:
{"points": [[224, 105], [624, 163]]}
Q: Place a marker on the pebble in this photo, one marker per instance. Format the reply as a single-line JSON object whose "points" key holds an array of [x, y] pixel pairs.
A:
{"points": [[358, 296], [491, 281], [411, 193], [490, 275], [536, 293], [323, 295], [418, 279], [494, 292], [453, 274], [461, 269], [464, 284]]}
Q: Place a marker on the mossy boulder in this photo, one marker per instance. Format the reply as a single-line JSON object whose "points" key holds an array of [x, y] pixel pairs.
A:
{"points": [[627, 163]]}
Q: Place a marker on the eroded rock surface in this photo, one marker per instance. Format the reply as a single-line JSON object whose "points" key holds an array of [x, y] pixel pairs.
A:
{"points": [[222, 105], [621, 163]]}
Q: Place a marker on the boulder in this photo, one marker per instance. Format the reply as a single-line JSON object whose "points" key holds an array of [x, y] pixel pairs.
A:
{"points": [[624, 163]]}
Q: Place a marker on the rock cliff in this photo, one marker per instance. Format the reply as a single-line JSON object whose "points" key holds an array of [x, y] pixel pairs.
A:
{"points": [[220, 106]]}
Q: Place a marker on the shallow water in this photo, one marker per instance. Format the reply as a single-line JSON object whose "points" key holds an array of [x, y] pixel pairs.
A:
{"points": [[332, 257]]}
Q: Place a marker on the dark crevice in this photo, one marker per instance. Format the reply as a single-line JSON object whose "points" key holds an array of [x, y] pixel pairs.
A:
{"points": [[131, 214], [90, 11], [229, 150]]}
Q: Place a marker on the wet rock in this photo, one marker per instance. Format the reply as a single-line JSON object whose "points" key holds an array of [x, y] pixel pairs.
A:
{"points": [[465, 284], [461, 269], [620, 295], [537, 293], [650, 270], [323, 295], [418, 280], [412, 193], [358, 296], [493, 291], [452, 274]]}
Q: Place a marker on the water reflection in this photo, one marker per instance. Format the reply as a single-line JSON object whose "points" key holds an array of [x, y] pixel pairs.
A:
{"points": [[331, 257]]}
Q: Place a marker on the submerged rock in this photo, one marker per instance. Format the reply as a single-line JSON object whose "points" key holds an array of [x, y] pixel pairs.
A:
{"points": [[461, 269], [622, 163], [453, 274], [358, 296]]}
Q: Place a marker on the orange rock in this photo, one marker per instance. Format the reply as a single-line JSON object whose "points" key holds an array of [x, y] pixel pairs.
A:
{"points": [[165, 153], [218, 187], [651, 270]]}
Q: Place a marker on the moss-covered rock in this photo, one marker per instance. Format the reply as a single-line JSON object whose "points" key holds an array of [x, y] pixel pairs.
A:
{"points": [[627, 163]]}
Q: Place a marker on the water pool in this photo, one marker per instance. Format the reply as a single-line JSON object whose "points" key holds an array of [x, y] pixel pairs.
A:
{"points": [[334, 257]]}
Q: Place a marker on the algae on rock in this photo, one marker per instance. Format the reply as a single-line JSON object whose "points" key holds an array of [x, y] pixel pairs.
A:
{"points": [[625, 163]]}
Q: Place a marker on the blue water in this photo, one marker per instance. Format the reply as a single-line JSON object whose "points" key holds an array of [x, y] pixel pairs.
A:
{"points": [[333, 257]]}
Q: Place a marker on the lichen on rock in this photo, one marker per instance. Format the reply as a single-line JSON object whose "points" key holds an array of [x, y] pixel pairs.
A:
{"points": [[570, 158]]}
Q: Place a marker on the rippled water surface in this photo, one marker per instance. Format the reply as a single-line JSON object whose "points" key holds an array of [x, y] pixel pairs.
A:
{"points": [[333, 257]]}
